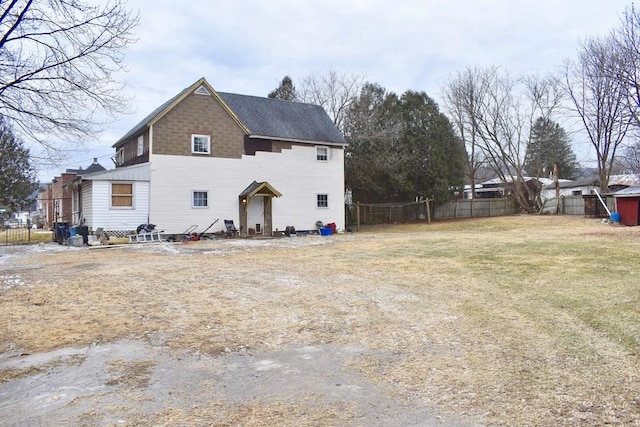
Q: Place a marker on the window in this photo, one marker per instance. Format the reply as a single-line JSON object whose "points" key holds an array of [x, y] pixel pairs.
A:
{"points": [[140, 145], [200, 144], [322, 154], [322, 201], [121, 195], [200, 199], [120, 157]]}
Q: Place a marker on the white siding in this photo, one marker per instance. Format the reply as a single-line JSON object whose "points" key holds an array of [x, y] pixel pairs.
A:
{"points": [[103, 215], [295, 173], [87, 203]]}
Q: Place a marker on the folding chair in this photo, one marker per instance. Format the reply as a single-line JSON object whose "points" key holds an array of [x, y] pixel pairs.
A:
{"points": [[232, 231]]}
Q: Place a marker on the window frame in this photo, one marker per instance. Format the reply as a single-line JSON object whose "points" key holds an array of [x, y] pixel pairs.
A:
{"points": [[193, 199], [322, 201], [322, 157], [193, 144], [121, 195]]}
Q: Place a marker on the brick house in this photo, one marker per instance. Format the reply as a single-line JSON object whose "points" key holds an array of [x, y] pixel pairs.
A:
{"points": [[57, 202], [204, 155]]}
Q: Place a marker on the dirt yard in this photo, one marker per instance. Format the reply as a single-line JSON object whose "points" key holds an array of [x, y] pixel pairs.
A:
{"points": [[511, 321]]}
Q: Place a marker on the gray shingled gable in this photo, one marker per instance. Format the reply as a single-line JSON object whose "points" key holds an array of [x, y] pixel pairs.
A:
{"points": [[266, 117], [142, 124], [274, 118]]}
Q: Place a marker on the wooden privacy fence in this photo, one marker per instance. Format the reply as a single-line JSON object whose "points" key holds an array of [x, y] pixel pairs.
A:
{"points": [[468, 208], [569, 205], [388, 213]]}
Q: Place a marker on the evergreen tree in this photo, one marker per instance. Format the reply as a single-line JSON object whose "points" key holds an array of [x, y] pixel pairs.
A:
{"points": [[372, 133], [434, 156], [286, 91], [549, 144], [400, 148], [17, 177]]}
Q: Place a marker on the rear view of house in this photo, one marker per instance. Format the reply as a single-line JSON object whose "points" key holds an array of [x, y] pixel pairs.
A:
{"points": [[264, 163]]}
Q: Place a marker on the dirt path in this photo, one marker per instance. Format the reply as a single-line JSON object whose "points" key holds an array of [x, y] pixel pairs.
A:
{"points": [[130, 383]]}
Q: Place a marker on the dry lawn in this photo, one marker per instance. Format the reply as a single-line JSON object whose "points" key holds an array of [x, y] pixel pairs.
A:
{"points": [[522, 320]]}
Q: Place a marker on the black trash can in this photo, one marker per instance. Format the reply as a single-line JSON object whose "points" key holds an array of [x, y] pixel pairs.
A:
{"points": [[83, 230], [60, 231]]}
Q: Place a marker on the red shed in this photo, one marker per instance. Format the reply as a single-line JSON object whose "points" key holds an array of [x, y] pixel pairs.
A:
{"points": [[628, 205]]}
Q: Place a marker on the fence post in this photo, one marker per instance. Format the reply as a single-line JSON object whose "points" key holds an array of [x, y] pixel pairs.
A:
{"points": [[428, 211], [358, 216]]}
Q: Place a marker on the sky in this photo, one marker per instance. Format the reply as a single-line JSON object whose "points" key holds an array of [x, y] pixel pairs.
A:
{"points": [[248, 46]]}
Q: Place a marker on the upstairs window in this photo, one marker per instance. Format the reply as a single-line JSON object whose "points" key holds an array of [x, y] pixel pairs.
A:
{"points": [[200, 199], [119, 159], [121, 195], [200, 144], [322, 154], [322, 201], [140, 145]]}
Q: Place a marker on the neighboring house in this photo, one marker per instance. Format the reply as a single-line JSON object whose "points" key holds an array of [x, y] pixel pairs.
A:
{"points": [[56, 200], [496, 187], [204, 155], [620, 182], [567, 187]]}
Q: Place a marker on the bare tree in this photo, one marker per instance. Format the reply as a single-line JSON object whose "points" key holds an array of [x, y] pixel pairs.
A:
{"points": [[625, 43], [462, 98], [495, 113], [599, 98], [629, 162], [333, 91], [58, 60]]}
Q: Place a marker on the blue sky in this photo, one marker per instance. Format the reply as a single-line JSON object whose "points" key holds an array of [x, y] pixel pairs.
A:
{"points": [[247, 46]]}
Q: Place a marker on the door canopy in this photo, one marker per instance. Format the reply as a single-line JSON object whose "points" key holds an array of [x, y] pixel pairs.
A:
{"points": [[259, 189]]}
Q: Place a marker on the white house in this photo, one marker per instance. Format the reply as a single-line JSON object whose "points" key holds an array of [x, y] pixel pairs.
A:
{"points": [[264, 163]]}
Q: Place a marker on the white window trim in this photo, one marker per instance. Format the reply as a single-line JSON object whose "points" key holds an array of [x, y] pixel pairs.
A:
{"points": [[207, 137], [133, 195], [318, 149], [193, 193], [140, 145], [317, 204]]}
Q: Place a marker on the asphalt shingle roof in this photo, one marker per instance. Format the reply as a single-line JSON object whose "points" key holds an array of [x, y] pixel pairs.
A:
{"points": [[283, 119]]}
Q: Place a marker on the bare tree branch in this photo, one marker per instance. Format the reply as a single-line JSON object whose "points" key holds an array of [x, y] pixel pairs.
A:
{"points": [[333, 91], [58, 60], [599, 98]]}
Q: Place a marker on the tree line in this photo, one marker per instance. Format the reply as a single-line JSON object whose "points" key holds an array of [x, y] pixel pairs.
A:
{"points": [[58, 59]]}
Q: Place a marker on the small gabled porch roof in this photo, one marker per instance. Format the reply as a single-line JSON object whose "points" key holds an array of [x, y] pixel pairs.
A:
{"points": [[260, 189]]}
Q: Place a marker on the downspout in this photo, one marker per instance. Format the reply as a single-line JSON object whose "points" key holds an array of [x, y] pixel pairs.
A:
{"points": [[602, 201], [149, 192]]}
